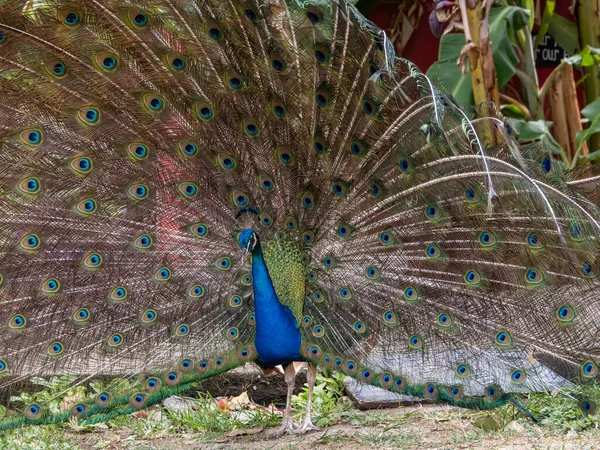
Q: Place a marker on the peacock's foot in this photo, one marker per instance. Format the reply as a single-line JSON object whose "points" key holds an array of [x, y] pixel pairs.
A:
{"points": [[306, 426], [287, 427]]}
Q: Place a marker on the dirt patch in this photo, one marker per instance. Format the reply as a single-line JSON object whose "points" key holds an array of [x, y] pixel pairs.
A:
{"points": [[416, 427]]}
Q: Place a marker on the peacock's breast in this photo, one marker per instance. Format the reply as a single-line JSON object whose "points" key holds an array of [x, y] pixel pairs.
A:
{"points": [[287, 270]]}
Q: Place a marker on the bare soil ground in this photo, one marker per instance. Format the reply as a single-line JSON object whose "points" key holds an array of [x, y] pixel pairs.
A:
{"points": [[415, 427]]}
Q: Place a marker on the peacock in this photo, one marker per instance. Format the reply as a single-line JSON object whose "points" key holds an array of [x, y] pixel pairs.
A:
{"points": [[187, 186]]}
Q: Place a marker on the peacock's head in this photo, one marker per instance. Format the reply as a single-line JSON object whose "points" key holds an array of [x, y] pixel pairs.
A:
{"points": [[248, 240]]}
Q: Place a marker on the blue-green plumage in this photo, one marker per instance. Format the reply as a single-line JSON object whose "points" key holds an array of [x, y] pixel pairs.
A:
{"points": [[277, 338]]}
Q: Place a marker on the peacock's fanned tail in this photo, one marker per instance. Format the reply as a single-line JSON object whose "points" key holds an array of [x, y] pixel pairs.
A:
{"points": [[442, 258]]}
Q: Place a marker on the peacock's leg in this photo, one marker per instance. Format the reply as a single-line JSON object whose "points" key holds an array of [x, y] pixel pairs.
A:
{"points": [[311, 377], [287, 426]]}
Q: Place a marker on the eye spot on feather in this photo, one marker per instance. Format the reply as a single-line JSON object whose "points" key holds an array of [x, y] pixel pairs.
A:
{"points": [[373, 273], [178, 64], [444, 320], [577, 232], [118, 294], [390, 318], [138, 151], [318, 331], [182, 330], [56, 348], [33, 412], [433, 212], [405, 166], [199, 230], [196, 291], [472, 278], [153, 103], [188, 189], [329, 262], [431, 392], [188, 149], [81, 316], [358, 148], [375, 190], [535, 241], [79, 410], [319, 297], [250, 13], [472, 195], [278, 63], [30, 242], [518, 376], [172, 378], [107, 62], [463, 370], [339, 188], [487, 239], [70, 18], [290, 223], [349, 367], [343, 230], [103, 399], [314, 15], [246, 279], [149, 316], [265, 220], [322, 55], [143, 242], [115, 340], [589, 269], [152, 384], [322, 98], [3, 37], [587, 407], [308, 237], [589, 370], [50, 286], [411, 295], [308, 200], [319, 146], [246, 354], [547, 165], [17, 322], [493, 392], [433, 252], [314, 351], [93, 261], [345, 293], [89, 116], [235, 301], [385, 380], [360, 327], [534, 277], [399, 384], [232, 334], [138, 191], [57, 69], [30, 186], [565, 314], [503, 338], [456, 392], [140, 20], [415, 342], [286, 157], [214, 30], [82, 165], [31, 137], [163, 274]]}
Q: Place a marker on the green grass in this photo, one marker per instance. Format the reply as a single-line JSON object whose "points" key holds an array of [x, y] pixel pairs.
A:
{"points": [[559, 415]]}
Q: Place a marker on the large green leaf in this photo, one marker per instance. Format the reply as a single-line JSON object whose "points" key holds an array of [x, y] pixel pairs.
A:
{"points": [[592, 113], [564, 32], [504, 21], [537, 131], [447, 74]]}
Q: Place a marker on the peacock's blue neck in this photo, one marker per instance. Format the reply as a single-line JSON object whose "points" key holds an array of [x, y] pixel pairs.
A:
{"points": [[277, 337]]}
